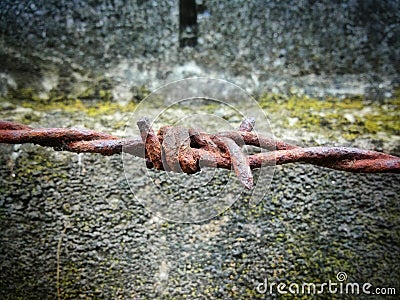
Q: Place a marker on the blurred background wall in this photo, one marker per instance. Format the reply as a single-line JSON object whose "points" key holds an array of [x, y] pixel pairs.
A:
{"points": [[68, 45]]}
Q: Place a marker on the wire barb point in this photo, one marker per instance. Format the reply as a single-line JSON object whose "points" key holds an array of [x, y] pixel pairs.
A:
{"points": [[185, 150]]}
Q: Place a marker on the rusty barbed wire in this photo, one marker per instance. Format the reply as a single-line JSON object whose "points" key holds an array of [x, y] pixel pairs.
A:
{"points": [[184, 150]]}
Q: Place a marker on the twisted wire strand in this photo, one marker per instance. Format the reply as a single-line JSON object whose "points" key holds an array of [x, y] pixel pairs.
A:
{"points": [[181, 150]]}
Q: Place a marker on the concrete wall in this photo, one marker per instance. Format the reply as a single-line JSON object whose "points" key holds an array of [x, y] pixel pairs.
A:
{"points": [[81, 40]]}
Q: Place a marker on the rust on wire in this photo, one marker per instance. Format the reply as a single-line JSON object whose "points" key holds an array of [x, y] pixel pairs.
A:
{"points": [[185, 150]]}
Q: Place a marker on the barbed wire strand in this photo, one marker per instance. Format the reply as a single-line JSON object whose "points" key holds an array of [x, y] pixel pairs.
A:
{"points": [[184, 150]]}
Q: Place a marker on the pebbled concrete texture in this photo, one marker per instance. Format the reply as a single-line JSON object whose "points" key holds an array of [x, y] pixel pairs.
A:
{"points": [[70, 226], [79, 210]]}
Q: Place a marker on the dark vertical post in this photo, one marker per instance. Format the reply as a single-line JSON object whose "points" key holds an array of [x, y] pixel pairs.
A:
{"points": [[187, 23]]}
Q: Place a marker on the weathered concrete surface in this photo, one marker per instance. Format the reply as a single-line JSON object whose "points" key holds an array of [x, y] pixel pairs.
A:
{"points": [[70, 45], [314, 224], [79, 210]]}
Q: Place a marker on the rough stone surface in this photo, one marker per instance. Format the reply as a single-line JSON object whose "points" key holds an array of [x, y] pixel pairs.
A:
{"points": [[313, 224], [76, 213], [51, 44]]}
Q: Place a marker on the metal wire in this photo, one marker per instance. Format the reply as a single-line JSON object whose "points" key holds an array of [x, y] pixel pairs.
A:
{"points": [[179, 149]]}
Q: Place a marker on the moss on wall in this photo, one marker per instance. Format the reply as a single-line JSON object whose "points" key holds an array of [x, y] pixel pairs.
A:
{"points": [[349, 117]]}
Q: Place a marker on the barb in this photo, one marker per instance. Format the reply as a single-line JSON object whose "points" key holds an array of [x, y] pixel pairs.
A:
{"points": [[185, 150]]}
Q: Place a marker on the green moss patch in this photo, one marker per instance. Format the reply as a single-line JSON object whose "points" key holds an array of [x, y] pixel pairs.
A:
{"points": [[76, 105], [350, 116], [96, 101]]}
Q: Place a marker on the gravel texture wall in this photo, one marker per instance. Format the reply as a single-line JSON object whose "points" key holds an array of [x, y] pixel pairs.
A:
{"points": [[317, 223], [70, 226]]}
